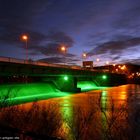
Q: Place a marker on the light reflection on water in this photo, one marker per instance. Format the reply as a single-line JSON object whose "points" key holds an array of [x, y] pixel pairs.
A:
{"points": [[66, 110], [103, 114]]}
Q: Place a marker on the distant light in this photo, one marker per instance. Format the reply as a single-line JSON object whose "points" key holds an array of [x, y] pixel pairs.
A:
{"points": [[107, 62], [97, 59], [104, 77], [137, 73], [114, 65], [66, 78], [133, 74], [123, 67]]}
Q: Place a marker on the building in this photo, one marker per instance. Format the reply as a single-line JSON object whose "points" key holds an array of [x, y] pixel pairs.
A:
{"points": [[88, 64]]}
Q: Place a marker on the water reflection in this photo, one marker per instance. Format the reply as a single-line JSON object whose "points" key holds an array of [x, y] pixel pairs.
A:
{"points": [[103, 111], [111, 113], [104, 100], [66, 110]]}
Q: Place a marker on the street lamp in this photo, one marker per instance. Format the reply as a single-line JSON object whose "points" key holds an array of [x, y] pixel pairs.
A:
{"points": [[84, 55], [107, 62], [97, 59], [25, 38], [64, 50]]}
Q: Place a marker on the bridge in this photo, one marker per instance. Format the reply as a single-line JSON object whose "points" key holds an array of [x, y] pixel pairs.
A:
{"points": [[65, 77]]}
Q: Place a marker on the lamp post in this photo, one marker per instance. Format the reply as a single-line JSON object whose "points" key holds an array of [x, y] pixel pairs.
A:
{"points": [[64, 50], [84, 56], [25, 38]]}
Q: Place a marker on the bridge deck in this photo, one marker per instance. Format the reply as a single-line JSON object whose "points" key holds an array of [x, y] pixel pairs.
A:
{"points": [[31, 62]]}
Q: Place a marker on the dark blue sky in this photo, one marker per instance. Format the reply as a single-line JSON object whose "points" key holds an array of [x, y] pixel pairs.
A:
{"points": [[104, 29]]}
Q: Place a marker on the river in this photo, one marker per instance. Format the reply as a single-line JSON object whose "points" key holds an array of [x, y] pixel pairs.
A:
{"points": [[110, 113]]}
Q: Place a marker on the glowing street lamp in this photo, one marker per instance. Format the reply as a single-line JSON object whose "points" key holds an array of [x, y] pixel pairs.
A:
{"points": [[25, 38], [97, 59], [107, 62], [84, 55], [64, 50]]}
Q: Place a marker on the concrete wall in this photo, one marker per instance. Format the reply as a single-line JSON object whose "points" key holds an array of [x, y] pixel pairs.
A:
{"points": [[69, 85]]}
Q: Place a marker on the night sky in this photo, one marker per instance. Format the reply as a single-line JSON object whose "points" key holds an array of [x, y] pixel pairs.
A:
{"points": [[104, 29]]}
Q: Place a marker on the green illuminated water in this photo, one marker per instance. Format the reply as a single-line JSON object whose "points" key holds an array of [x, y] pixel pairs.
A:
{"points": [[19, 93], [88, 85]]}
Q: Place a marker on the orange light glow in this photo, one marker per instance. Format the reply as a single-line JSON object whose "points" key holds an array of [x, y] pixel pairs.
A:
{"points": [[25, 37], [123, 67], [63, 48]]}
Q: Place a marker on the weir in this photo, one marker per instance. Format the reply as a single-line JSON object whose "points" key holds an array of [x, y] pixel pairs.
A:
{"points": [[65, 78], [88, 85], [11, 94], [26, 92]]}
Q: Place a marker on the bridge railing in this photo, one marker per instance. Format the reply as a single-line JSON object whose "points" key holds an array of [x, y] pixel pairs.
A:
{"points": [[31, 62], [21, 61], [12, 60]]}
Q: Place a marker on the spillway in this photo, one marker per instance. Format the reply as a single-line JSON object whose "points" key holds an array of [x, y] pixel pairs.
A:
{"points": [[19, 93], [88, 85]]}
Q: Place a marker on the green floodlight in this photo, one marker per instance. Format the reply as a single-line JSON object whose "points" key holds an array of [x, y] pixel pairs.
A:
{"points": [[66, 78], [104, 77]]}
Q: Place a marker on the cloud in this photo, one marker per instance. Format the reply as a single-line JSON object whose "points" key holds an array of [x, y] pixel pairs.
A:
{"points": [[113, 26], [50, 50], [38, 43], [12, 35], [132, 61], [60, 38], [114, 58], [16, 18], [51, 44], [60, 59], [129, 18], [115, 47]]}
